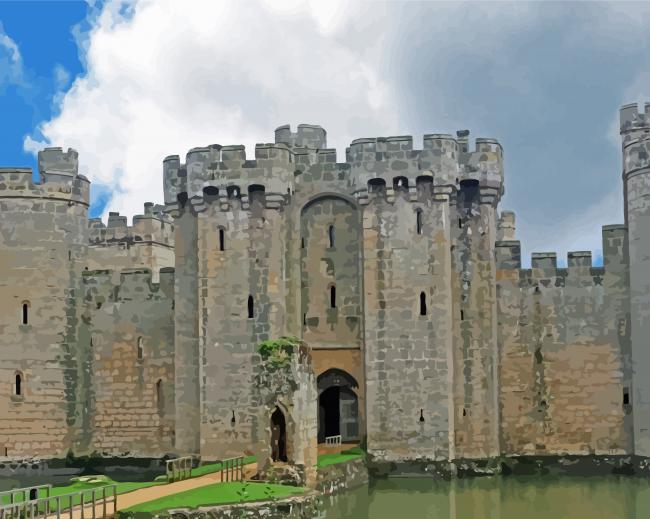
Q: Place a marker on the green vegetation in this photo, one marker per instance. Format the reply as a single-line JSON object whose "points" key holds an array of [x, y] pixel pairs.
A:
{"points": [[78, 484], [277, 352], [217, 494], [324, 460]]}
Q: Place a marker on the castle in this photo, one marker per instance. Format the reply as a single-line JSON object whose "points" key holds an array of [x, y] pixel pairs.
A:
{"points": [[428, 339]]}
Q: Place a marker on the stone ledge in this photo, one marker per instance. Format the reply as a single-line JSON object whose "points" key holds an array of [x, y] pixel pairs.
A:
{"points": [[576, 465]]}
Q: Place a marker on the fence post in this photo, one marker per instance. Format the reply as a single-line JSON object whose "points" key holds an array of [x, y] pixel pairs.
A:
{"points": [[58, 507]]}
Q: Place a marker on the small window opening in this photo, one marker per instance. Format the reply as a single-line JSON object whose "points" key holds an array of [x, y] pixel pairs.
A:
{"points": [[25, 313], [423, 303], [464, 412], [418, 221], [69, 255], [302, 243], [462, 315], [304, 319], [333, 296], [251, 307], [160, 402], [330, 233], [222, 239], [626, 396], [460, 223], [18, 387], [140, 348]]}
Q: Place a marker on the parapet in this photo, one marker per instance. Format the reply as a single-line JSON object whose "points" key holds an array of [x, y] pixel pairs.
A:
{"points": [[154, 226], [508, 254], [59, 179], [133, 285], [579, 259], [506, 226], [222, 173], [632, 119], [306, 136], [543, 260], [442, 158]]}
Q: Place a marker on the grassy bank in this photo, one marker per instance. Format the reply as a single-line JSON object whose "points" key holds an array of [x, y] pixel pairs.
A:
{"points": [[324, 460], [217, 494]]}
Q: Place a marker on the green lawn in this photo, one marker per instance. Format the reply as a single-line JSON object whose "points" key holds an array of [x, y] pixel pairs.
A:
{"points": [[324, 460], [76, 486], [122, 487], [217, 494]]}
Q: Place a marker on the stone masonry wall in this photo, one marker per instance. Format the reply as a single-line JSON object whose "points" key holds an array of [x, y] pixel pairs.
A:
{"points": [[565, 355], [251, 265], [148, 243], [407, 354], [43, 242], [130, 328]]}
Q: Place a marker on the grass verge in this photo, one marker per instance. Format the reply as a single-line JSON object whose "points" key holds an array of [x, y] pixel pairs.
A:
{"points": [[325, 460], [217, 494]]}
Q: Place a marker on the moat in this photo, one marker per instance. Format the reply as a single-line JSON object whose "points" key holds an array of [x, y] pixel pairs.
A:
{"points": [[513, 497]]}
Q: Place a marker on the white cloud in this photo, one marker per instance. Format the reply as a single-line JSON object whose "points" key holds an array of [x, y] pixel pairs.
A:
{"points": [[11, 63], [169, 76]]}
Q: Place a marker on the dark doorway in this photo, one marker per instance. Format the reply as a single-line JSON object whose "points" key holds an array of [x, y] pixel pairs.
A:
{"points": [[278, 436], [330, 414]]}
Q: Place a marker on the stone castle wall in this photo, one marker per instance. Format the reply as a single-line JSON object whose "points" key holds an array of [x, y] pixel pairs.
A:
{"points": [[43, 242], [454, 350], [130, 328], [565, 365], [148, 243]]}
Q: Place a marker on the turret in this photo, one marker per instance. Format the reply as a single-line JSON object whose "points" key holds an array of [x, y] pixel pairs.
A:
{"points": [[635, 135]]}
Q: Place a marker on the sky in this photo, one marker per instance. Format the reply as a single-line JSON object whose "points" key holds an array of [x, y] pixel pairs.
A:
{"points": [[127, 84]]}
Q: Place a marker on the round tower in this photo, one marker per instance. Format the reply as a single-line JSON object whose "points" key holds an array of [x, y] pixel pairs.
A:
{"points": [[43, 244], [635, 135]]}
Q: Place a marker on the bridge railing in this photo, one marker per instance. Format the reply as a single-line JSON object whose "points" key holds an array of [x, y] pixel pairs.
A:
{"points": [[8, 497], [333, 440], [93, 503], [179, 468], [232, 469]]}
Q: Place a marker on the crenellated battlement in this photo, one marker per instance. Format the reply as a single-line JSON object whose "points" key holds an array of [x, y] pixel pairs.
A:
{"points": [[309, 136], [59, 179], [153, 226], [632, 119], [218, 173], [100, 286]]}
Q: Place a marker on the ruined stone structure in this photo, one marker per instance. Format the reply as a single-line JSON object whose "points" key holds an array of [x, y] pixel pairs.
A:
{"points": [[427, 338]]}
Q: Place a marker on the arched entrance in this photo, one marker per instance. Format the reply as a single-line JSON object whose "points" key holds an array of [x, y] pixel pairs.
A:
{"points": [[338, 406], [278, 436]]}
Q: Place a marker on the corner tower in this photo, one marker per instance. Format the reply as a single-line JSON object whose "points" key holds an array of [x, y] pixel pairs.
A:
{"points": [[635, 135], [43, 247]]}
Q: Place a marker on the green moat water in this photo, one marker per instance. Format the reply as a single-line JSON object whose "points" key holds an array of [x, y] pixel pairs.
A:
{"points": [[513, 497]]}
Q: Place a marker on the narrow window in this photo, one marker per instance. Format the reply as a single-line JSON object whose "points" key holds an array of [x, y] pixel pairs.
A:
{"points": [[626, 396], [462, 315], [69, 255], [302, 243], [423, 304], [333, 296], [251, 307], [140, 348], [18, 388], [160, 402], [418, 221], [222, 239], [304, 319], [25, 313], [330, 233], [460, 223]]}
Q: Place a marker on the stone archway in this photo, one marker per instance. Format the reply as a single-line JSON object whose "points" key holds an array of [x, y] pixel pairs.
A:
{"points": [[278, 436], [338, 406]]}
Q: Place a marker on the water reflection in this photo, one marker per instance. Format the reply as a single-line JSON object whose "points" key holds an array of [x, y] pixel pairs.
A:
{"points": [[518, 497]]}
